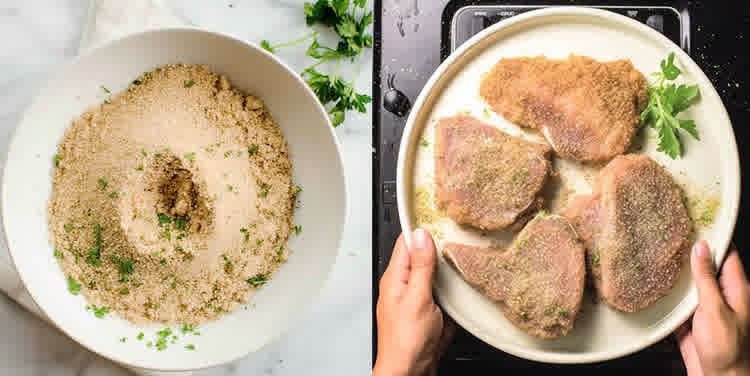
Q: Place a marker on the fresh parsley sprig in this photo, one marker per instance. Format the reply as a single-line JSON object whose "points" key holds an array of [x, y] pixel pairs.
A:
{"points": [[341, 17], [665, 101]]}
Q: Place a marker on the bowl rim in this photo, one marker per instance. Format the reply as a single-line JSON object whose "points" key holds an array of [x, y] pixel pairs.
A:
{"points": [[407, 145], [295, 322]]}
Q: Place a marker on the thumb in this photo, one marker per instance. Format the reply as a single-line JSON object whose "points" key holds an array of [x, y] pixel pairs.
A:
{"points": [[704, 274], [422, 260]]}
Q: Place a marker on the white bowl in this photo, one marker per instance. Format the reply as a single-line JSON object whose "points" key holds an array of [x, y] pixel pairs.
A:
{"points": [[317, 168], [712, 163]]}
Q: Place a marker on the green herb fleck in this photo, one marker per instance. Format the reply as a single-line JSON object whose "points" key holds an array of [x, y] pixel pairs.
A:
{"points": [[189, 83], [58, 158], [137, 82], [424, 142], [252, 150], [68, 227], [143, 152], [562, 312], [112, 194], [229, 187], [58, 254], [190, 156], [99, 312], [123, 339], [190, 347], [124, 291], [163, 219], [102, 184], [297, 229], [163, 261], [140, 336], [105, 89], [259, 280], [73, 286]]}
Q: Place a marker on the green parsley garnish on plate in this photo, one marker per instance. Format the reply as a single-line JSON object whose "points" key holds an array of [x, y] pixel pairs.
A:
{"points": [[252, 150], [190, 156], [58, 158], [665, 101], [190, 347], [189, 83]]}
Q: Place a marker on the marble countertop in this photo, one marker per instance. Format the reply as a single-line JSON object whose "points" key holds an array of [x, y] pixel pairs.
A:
{"points": [[336, 336]]}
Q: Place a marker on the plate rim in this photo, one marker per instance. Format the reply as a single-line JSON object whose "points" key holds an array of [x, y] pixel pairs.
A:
{"points": [[48, 84], [408, 143]]}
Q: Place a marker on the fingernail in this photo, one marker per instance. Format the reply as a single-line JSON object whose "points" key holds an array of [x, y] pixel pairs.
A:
{"points": [[420, 239], [700, 250]]}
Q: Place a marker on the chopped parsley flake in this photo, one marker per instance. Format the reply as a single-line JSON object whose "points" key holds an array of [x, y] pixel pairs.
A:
{"points": [[58, 254], [298, 190], [189, 83], [99, 312], [187, 328], [259, 242], [190, 156], [168, 234], [264, 190], [424, 142], [124, 291], [123, 339], [105, 89], [126, 266], [252, 150], [562, 312], [143, 152], [179, 223], [102, 184], [229, 187], [73, 286], [259, 280], [163, 219], [297, 229], [163, 261], [112, 194], [190, 347], [68, 227], [228, 266], [140, 336], [180, 236], [137, 82], [58, 158]]}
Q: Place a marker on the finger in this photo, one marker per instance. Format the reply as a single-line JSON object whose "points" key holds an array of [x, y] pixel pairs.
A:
{"points": [[394, 281], [734, 284], [684, 337], [702, 266], [422, 261]]}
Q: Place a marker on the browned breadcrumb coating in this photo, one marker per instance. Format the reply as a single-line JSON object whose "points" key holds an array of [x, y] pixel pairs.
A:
{"points": [[588, 110], [486, 178], [538, 280], [636, 230], [159, 209]]}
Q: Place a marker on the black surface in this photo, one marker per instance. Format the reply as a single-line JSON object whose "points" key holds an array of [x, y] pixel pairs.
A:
{"points": [[410, 43]]}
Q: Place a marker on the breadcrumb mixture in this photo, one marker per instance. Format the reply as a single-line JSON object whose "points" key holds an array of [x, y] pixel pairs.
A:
{"points": [[172, 202]]}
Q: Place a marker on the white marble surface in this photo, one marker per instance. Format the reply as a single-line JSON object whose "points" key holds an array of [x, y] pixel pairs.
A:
{"points": [[335, 338]]}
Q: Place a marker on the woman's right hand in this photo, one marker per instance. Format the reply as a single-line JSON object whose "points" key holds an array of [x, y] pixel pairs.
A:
{"points": [[717, 339]]}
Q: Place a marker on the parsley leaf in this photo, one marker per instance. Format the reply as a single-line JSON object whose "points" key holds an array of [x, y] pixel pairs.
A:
{"points": [[665, 102], [341, 17]]}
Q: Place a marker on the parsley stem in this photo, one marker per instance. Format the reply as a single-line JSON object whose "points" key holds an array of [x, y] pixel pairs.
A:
{"points": [[296, 41]]}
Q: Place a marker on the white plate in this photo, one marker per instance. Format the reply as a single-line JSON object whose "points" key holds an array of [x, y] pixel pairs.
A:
{"points": [[710, 167], [317, 168]]}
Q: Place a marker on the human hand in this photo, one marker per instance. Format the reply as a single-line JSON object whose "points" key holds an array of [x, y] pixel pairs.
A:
{"points": [[412, 331], [718, 341]]}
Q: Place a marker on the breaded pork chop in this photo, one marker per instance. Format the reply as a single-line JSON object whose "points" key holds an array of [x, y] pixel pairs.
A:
{"points": [[636, 229], [484, 177], [588, 110], [538, 280]]}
